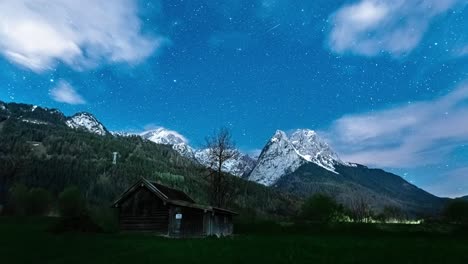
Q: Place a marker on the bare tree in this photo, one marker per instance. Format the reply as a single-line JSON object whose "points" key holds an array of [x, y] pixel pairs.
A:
{"points": [[221, 148], [359, 208]]}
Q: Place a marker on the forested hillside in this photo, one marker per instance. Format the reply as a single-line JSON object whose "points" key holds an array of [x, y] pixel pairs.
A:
{"points": [[39, 150]]}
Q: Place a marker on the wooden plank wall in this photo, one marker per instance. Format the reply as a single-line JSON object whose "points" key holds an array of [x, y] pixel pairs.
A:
{"points": [[143, 211]]}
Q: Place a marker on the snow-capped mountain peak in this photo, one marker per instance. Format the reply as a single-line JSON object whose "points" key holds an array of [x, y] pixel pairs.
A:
{"points": [[239, 166], [164, 136], [87, 122], [278, 157], [278, 136], [314, 149], [285, 153]]}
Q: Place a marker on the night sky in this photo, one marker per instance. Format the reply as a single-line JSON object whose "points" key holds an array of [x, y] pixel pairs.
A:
{"points": [[384, 81]]}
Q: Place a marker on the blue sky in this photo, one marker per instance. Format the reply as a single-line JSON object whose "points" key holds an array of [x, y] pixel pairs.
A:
{"points": [[386, 82]]}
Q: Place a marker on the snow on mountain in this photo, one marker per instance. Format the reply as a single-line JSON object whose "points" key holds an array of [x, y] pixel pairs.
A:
{"points": [[86, 122], [284, 154], [33, 121], [278, 157], [239, 166], [121, 134], [313, 149], [164, 136], [185, 150]]}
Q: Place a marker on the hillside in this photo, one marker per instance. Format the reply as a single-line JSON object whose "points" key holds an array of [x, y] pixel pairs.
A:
{"points": [[355, 184], [38, 148]]}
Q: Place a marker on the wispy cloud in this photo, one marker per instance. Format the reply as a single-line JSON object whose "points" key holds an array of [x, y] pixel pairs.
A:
{"points": [[372, 27], [38, 34], [452, 184], [65, 93], [408, 135]]}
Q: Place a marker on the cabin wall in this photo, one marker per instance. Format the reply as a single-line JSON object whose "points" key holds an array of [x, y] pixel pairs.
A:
{"points": [[219, 224], [144, 211], [191, 223]]}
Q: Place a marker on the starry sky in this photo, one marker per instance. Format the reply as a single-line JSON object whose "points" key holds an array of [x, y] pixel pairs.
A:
{"points": [[384, 81]]}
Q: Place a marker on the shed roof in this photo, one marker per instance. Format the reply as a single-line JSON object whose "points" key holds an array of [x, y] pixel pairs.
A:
{"points": [[171, 196]]}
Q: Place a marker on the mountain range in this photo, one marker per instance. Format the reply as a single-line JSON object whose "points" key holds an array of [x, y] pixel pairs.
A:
{"points": [[298, 162], [39, 148]]}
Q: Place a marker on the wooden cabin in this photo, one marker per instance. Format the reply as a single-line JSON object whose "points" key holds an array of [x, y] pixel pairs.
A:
{"points": [[153, 207]]}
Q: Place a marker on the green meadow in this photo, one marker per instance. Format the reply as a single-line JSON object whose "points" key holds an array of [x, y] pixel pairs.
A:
{"points": [[26, 240]]}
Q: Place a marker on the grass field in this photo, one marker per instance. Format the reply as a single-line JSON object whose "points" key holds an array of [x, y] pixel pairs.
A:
{"points": [[24, 240]]}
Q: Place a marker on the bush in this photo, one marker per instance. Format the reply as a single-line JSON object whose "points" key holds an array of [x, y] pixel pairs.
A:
{"points": [[19, 199], [392, 214], [321, 208], [82, 223], [105, 218], [457, 212], [38, 202], [70, 203]]}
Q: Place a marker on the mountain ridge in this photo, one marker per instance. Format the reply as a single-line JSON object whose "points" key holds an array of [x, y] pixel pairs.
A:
{"points": [[303, 164], [299, 163], [51, 155], [285, 153], [239, 166]]}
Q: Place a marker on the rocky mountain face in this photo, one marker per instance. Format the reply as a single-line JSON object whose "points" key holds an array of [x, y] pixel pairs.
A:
{"points": [[87, 122], [302, 163], [164, 136], [37, 115], [284, 154], [31, 114], [239, 166]]}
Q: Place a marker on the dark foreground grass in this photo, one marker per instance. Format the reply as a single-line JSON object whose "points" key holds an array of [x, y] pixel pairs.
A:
{"points": [[26, 241]]}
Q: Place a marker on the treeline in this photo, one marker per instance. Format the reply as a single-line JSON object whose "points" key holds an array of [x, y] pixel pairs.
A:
{"points": [[74, 213], [321, 208]]}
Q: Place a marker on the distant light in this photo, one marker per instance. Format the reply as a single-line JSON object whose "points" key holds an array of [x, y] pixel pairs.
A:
{"points": [[174, 80]]}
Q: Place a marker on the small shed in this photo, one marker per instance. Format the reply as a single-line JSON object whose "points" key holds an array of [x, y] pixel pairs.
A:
{"points": [[153, 207]]}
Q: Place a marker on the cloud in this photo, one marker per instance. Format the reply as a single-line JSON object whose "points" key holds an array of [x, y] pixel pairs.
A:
{"points": [[65, 93], [370, 27], [452, 184], [404, 136], [41, 33]]}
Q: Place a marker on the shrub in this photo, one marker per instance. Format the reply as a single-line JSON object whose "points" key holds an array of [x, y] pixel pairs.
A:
{"points": [[38, 202], [321, 208], [391, 214], [457, 212], [82, 223], [105, 218], [70, 203], [19, 199]]}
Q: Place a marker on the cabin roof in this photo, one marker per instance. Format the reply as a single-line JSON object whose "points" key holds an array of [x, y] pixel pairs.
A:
{"points": [[171, 196]]}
